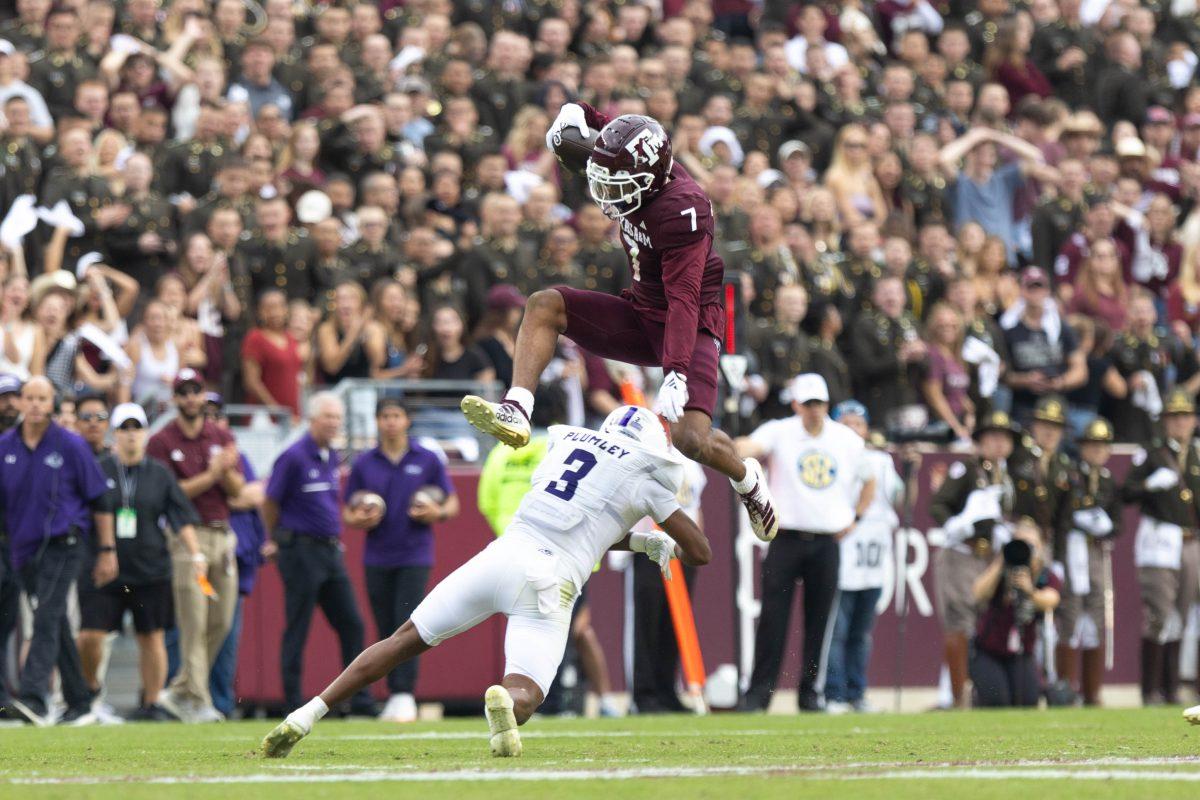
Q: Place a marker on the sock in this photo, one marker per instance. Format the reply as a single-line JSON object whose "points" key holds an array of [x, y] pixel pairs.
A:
{"points": [[746, 483], [522, 399], [307, 715]]}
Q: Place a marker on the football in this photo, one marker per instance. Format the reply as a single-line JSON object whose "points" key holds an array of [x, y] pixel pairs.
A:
{"points": [[364, 498], [572, 149], [428, 494]]}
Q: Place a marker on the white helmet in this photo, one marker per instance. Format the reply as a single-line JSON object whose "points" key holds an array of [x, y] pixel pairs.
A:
{"points": [[639, 424]]}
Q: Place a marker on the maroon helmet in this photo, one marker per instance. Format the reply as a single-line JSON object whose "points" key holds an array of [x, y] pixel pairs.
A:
{"points": [[630, 164]]}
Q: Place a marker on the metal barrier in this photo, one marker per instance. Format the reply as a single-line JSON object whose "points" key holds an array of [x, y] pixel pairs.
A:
{"points": [[433, 407]]}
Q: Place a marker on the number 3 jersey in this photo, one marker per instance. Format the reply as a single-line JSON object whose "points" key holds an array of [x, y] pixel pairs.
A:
{"points": [[589, 490]]}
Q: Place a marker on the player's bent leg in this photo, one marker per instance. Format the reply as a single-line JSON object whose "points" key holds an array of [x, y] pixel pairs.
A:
{"points": [[371, 665], [697, 439]]}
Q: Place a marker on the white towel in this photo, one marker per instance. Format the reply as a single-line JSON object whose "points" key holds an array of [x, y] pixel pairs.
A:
{"points": [[986, 361], [1051, 321], [20, 220], [61, 216], [106, 344], [1148, 398]]}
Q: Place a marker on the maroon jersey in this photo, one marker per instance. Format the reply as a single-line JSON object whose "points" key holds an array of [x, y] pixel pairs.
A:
{"points": [[677, 275]]}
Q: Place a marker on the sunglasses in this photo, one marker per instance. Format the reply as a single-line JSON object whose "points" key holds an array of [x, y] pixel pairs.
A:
{"points": [[187, 389], [132, 425], [93, 417]]}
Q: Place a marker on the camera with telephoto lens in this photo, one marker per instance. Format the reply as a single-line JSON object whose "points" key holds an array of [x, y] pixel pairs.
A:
{"points": [[1018, 555], [911, 423]]}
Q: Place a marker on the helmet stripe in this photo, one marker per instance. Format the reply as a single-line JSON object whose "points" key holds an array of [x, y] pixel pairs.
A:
{"points": [[628, 416]]}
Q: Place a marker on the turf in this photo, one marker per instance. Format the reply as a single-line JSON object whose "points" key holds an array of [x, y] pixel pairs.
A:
{"points": [[1063, 753]]}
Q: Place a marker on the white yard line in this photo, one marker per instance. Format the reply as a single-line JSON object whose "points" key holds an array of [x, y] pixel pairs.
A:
{"points": [[1085, 769]]}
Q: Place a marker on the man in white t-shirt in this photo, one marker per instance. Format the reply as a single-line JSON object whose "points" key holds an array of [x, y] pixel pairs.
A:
{"points": [[822, 484]]}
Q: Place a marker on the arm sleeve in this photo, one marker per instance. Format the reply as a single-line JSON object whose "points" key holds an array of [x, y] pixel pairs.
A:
{"points": [[156, 450], [659, 502], [277, 484], [595, 119], [683, 270], [872, 360], [441, 477], [250, 347]]}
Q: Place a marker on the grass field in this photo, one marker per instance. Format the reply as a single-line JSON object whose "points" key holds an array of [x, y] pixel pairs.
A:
{"points": [[1059, 754]]}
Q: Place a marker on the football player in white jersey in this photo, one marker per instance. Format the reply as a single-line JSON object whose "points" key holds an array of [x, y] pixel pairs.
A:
{"points": [[589, 490]]}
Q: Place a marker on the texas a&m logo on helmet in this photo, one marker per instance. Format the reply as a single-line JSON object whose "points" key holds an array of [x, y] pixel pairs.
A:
{"points": [[629, 165]]}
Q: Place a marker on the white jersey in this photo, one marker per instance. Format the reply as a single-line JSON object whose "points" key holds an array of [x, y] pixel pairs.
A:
{"points": [[589, 491], [866, 553]]}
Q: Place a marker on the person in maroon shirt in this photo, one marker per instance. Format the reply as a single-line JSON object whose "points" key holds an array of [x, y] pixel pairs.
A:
{"points": [[673, 316], [1007, 65], [204, 459], [1013, 596]]}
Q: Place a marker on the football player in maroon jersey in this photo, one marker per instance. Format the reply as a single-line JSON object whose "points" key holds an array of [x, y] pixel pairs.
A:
{"points": [[671, 317]]}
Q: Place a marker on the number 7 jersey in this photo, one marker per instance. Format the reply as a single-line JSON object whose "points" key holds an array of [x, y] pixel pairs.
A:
{"points": [[590, 489]]}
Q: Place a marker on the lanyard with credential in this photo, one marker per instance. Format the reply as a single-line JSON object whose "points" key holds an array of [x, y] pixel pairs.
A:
{"points": [[126, 514]]}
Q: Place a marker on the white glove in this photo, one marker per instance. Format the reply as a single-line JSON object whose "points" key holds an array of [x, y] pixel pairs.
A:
{"points": [[1162, 479], [672, 397], [1094, 521], [570, 115], [657, 546]]}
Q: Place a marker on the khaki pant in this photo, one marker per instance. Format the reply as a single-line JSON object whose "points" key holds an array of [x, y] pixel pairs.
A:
{"points": [[1168, 595], [203, 622], [1079, 618], [953, 583]]}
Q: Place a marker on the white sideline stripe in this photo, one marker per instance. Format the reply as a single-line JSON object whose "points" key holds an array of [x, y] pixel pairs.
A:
{"points": [[1026, 770], [388, 737]]}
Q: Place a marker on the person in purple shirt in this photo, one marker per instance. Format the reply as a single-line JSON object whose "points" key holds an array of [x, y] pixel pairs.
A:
{"points": [[399, 547], [52, 493], [302, 514]]}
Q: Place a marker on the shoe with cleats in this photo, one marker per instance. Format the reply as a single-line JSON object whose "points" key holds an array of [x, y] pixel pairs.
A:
{"points": [[279, 742], [505, 420], [498, 706], [759, 505]]}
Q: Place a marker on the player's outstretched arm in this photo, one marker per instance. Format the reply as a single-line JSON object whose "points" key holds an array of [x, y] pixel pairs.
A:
{"points": [[692, 544]]}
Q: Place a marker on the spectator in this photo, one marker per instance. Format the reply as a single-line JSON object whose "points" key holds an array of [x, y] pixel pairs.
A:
{"points": [[1121, 88], [203, 458], [155, 358], [91, 412], [389, 344], [146, 498], [864, 556], [947, 383], [850, 178], [272, 365], [450, 358], [54, 496], [985, 189], [253, 547], [302, 516], [1045, 356], [399, 545], [887, 350], [1100, 291], [496, 336], [341, 338], [1011, 592], [1006, 61], [23, 352]]}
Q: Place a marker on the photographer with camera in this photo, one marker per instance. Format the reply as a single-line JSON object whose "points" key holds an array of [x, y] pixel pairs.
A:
{"points": [[1014, 589], [971, 507], [1165, 484]]}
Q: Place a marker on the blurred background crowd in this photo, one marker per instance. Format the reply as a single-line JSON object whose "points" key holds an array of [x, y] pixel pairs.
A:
{"points": [[288, 194]]}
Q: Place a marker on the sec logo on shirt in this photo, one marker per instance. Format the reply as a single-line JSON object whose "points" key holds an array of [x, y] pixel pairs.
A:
{"points": [[817, 469]]}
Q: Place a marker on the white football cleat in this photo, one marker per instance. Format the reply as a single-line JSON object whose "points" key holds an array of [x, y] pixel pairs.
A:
{"points": [[759, 505], [498, 706], [1192, 715], [505, 420], [279, 742]]}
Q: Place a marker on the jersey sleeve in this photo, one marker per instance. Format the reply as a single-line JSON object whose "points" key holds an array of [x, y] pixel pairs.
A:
{"points": [[280, 481], [595, 119], [658, 502], [354, 481]]}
